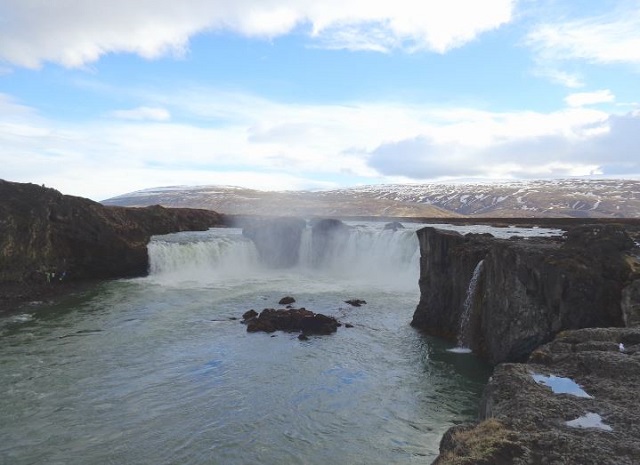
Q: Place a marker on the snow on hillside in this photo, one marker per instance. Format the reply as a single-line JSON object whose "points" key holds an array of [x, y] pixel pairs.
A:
{"points": [[567, 197], [553, 198]]}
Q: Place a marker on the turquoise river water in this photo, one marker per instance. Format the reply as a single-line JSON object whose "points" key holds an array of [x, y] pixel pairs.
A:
{"points": [[159, 370]]}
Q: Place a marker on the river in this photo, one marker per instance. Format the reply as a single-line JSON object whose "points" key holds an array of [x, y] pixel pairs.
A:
{"points": [[160, 370]]}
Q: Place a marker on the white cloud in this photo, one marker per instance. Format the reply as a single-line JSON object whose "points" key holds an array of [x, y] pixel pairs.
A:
{"points": [[254, 142], [587, 143], [610, 38], [410, 25], [581, 99], [566, 79], [143, 113], [75, 32]]}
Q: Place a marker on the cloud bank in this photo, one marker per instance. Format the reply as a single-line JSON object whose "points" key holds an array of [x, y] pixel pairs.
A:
{"points": [[74, 33], [602, 146], [241, 139]]}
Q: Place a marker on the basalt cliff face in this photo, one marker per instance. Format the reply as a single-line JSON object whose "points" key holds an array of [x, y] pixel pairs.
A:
{"points": [[528, 289], [45, 235], [572, 403]]}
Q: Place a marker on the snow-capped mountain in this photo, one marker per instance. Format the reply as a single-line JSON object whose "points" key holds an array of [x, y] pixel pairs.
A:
{"points": [[554, 198]]}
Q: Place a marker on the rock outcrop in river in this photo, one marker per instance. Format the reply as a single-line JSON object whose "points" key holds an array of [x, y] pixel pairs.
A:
{"points": [[45, 235], [291, 320], [528, 289]]}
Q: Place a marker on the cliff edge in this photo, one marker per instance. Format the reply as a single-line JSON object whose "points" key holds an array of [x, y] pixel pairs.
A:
{"points": [[48, 237], [573, 403], [570, 308], [525, 290]]}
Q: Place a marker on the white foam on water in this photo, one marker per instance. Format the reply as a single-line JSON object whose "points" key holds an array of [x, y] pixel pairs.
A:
{"points": [[459, 350], [202, 257], [368, 255]]}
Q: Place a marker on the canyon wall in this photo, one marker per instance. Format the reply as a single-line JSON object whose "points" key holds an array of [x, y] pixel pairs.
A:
{"points": [[45, 235], [528, 289], [584, 291]]}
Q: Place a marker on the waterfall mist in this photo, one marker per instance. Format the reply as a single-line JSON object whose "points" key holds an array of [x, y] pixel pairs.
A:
{"points": [[364, 253]]}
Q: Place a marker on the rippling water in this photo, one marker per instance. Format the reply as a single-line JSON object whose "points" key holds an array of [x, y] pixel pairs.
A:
{"points": [[157, 371]]}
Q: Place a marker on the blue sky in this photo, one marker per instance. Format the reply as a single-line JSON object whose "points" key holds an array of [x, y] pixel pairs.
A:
{"points": [[99, 98]]}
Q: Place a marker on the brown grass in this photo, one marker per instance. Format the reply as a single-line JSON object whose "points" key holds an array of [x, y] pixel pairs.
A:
{"points": [[490, 442]]}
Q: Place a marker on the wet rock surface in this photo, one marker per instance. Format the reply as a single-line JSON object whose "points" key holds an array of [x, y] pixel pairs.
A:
{"points": [[529, 289], [290, 320], [447, 261], [286, 300], [49, 239], [525, 422]]}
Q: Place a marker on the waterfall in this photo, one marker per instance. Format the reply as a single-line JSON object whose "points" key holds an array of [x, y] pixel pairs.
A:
{"points": [[201, 256], [367, 253], [464, 336]]}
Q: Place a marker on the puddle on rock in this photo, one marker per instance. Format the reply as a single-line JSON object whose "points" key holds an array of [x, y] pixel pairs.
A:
{"points": [[590, 420], [560, 385]]}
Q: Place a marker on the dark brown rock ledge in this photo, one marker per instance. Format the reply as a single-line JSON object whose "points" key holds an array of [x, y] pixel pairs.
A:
{"points": [[524, 422], [49, 240], [291, 320], [527, 290]]}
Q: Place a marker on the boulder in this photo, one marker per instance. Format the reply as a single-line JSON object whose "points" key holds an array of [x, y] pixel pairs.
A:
{"points": [[292, 320], [248, 315]]}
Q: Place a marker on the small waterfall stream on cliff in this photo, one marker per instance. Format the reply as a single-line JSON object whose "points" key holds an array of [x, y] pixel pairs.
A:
{"points": [[464, 338], [159, 370]]}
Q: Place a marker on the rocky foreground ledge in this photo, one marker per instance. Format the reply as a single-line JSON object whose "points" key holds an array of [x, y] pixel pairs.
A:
{"points": [[50, 242], [574, 402]]}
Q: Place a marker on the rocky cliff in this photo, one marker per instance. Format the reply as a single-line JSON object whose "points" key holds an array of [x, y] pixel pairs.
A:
{"points": [[527, 290], [573, 403], [45, 235]]}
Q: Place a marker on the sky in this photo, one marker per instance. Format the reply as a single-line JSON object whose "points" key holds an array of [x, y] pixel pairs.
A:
{"points": [[103, 97]]}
